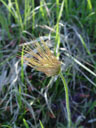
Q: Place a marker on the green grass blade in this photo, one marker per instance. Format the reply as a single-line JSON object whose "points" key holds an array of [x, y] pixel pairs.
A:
{"points": [[5, 126], [89, 5], [19, 15], [61, 10], [57, 29], [66, 8], [22, 72], [25, 123], [42, 8], [33, 16], [19, 97], [3, 62], [57, 8], [10, 9], [41, 124], [80, 64], [4, 24], [25, 12], [90, 15], [92, 107], [84, 44]]}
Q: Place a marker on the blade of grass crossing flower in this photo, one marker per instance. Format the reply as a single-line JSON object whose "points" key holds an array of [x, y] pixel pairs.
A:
{"points": [[25, 123], [41, 124]]}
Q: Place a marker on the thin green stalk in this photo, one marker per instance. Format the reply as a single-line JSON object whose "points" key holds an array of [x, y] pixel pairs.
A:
{"points": [[22, 71], [67, 99], [66, 9], [25, 123], [57, 8], [33, 16], [59, 14], [19, 18], [41, 124], [42, 10], [89, 4]]}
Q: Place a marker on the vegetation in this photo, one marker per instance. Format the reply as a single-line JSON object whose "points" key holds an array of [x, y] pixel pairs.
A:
{"points": [[29, 98]]}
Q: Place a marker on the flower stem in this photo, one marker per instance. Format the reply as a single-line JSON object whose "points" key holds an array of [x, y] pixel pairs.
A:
{"points": [[67, 99]]}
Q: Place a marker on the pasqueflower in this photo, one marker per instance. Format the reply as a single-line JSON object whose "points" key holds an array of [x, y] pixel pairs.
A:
{"points": [[43, 60]]}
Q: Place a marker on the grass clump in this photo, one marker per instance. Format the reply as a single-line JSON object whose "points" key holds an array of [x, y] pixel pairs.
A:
{"points": [[27, 97]]}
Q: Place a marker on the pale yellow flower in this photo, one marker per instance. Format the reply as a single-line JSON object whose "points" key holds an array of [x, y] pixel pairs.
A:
{"points": [[43, 60]]}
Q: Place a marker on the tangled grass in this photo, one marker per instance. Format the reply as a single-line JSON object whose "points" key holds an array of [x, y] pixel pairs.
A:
{"points": [[30, 99]]}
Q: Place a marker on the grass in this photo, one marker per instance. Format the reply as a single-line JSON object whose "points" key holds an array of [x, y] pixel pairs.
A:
{"points": [[27, 97], [41, 125]]}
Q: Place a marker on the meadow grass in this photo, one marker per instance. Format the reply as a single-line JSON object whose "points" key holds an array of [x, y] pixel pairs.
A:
{"points": [[27, 97]]}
